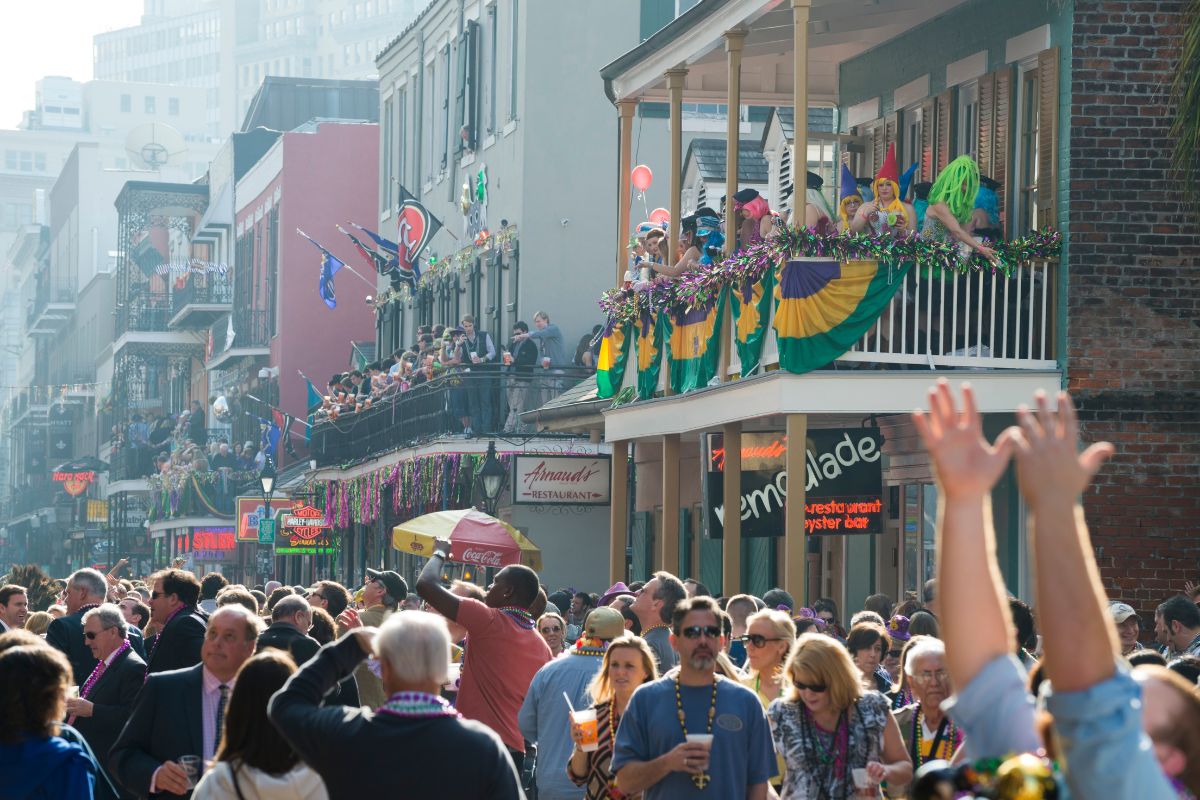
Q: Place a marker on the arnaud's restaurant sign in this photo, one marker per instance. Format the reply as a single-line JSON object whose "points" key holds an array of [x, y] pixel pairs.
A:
{"points": [[561, 480], [843, 487]]}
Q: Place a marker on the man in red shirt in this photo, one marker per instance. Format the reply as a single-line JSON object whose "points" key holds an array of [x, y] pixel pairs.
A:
{"points": [[503, 649]]}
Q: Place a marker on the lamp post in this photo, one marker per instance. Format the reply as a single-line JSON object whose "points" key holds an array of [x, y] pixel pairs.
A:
{"points": [[491, 480], [267, 480]]}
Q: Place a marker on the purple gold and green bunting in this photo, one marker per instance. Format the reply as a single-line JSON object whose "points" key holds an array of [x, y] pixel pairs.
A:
{"points": [[824, 306], [614, 352], [692, 344], [650, 334], [751, 309]]}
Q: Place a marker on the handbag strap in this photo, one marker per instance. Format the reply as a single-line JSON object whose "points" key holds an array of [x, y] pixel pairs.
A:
{"points": [[233, 768]]}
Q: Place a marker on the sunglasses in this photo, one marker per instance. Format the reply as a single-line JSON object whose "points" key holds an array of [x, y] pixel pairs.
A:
{"points": [[810, 687], [696, 631], [91, 635], [894, 653], [551, 629], [758, 640]]}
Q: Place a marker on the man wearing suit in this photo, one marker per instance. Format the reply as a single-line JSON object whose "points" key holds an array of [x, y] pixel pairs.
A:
{"points": [[181, 712], [181, 633], [14, 607], [85, 590], [106, 696], [290, 620]]}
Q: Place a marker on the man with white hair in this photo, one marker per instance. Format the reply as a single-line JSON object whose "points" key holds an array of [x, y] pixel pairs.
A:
{"points": [[438, 753], [106, 698], [85, 590], [927, 732]]}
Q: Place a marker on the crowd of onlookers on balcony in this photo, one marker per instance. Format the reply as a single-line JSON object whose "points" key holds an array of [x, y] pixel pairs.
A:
{"points": [[483, 378], [175, 444]]}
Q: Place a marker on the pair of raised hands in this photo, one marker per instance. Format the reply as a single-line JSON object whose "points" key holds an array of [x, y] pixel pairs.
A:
{"points": [[1045, 442]]}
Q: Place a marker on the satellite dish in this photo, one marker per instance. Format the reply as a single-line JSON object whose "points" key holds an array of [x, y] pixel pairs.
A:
{"points": [[153, 145]]}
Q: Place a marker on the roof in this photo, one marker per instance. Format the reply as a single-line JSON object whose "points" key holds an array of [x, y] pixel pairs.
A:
{"points": [[284, 104], [709, 155], [820, 118], [580, 402]]}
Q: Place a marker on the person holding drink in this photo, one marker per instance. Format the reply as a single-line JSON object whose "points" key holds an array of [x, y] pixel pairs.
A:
{"points": [[628, 663]]}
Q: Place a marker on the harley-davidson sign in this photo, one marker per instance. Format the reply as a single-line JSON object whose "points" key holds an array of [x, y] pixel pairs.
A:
{"points": [[304, 530], [561, 480]]}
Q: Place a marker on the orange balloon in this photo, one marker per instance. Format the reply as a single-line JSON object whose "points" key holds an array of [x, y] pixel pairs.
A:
{"points": [[660, 215], [642, 177]]}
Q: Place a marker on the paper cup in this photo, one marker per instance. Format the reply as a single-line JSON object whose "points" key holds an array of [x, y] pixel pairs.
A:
{"points": [[700, 738], [452, 677], [545, 362], [861, 781], [586, 720]]}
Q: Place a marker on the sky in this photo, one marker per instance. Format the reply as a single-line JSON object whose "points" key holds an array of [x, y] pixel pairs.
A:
{"points": [[51, 37]]}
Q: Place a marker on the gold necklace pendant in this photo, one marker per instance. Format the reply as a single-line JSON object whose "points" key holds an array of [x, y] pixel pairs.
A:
{"points": [[701, 780]]}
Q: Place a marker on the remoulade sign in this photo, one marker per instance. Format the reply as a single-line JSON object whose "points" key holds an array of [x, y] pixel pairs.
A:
{"points": [[844, 483], [561, 480]]}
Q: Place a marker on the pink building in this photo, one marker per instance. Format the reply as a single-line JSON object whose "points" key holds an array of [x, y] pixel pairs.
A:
{"points": [[313, 178]]}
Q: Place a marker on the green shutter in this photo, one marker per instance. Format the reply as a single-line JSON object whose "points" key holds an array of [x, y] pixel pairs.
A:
{"points": [[656, 14], [758, 564], [685, 543], [710, 564], [643, 546]]}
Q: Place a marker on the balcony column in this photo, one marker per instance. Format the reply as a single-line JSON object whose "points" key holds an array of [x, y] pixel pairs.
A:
{"points": [[795, 539], [618, 512], [731, 549], [734, 40], [801, 10], [669, 541], [675, 79], [626, 109]]}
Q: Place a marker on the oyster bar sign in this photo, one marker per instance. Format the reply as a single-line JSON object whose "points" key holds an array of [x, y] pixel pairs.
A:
{"points": [[561, 480]]}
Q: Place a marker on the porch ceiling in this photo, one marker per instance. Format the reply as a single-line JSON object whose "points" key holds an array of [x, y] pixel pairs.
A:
{"points": [[837, 30], [835, 392]]}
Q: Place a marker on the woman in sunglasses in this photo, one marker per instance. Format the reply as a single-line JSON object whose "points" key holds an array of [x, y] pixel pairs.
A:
{"points": [[836, 739], [769, 636], [553, 629], [628, 663]]}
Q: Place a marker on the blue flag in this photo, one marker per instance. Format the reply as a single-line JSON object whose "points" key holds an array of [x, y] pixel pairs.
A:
{"points": [[330, 264], [269, 441]]}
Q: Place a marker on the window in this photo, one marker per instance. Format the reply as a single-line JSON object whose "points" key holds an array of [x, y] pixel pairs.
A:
{"points": [[912, 138], [150, 104], [39, 162], [491, 69], [968, 120], [1027, 153], [126, 103], [385, 186], [173, 106], [512, 61], [445, 127], [401, 134]]}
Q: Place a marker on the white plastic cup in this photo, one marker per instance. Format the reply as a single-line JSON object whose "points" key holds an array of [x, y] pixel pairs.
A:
{"points": [[861, 780], [545, 362], [586, 719], [453, 676], [700, 738], [191, 765]]}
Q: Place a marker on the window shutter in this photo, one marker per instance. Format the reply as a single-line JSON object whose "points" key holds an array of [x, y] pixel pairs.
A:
{"points": [[928, 157], [785, 174], [891, 135], [1002, 136], [987, 123], [1047, 144], [642, 541], [460, 97], [685, 542], [943, 142]]}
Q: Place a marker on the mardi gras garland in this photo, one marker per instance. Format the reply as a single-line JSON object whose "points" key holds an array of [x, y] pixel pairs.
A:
{"points": [[746, 267], [186, 493]]}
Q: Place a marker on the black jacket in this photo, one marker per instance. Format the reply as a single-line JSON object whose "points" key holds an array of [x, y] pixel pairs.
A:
{"points": [[177, 645], [164, 725], [458, 759], [525, 356], [66, 634], [290, 639], [112, 701]]}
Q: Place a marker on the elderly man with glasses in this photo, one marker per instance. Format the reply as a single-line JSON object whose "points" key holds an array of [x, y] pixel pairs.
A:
{"points": [[927, 732], [106, 697], [85, 590]]}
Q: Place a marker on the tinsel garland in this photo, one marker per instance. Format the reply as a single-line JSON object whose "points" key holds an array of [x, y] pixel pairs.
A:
{"points": [[440, 269], [186, 493], [418, 486], [746, 267]]}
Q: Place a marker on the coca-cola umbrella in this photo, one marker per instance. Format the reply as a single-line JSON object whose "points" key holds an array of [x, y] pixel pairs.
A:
{"points": [[475, 538]]}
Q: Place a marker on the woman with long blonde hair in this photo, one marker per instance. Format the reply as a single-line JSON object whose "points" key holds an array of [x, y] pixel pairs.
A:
{"points": [[836, 739], [628, 663]]}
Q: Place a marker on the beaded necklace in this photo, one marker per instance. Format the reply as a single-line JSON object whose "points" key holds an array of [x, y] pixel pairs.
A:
{"points": [[101, 665], [654, 628], [519, 615], [417, 705], [589, 647], [700, 779], [918, 734], [826, 765]]}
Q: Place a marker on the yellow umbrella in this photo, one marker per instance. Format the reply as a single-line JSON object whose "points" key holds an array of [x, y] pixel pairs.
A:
{"points": [[475, 538]]}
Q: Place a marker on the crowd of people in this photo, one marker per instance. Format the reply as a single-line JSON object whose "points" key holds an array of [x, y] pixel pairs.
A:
{"points": [[174, 445], [175, 686], [490, 384]]}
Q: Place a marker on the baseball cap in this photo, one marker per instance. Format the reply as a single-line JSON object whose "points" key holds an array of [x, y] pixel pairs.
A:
{"points": [[396, 586], [604, 623], [1120, 611]]}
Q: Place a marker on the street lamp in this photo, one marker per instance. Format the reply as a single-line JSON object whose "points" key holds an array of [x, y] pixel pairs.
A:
{"points": [[267, 479], [491, 480]]}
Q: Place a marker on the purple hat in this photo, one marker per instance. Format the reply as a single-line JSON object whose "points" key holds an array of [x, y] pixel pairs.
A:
{"points": [[897, 628], [849, 185], [617, 588], [808, 613]]}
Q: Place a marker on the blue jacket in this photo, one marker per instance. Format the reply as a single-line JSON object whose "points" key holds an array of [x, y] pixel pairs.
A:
{"points": [[46, 768]]}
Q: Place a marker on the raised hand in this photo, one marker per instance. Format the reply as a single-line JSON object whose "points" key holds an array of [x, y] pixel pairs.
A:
{"points": [[965, 463], [1049, 464]]}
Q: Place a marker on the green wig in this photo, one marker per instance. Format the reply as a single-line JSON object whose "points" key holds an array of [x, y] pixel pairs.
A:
{"points": [[956, 186]]}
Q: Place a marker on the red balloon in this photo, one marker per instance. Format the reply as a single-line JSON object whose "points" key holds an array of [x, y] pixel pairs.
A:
{"points": [[660, 215], [642, 177]]}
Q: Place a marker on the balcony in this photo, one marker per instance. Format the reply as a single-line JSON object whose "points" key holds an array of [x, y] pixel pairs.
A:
{"points": [[188, 493], [31, 498], [53, 306], [143, 323], [200, 302], [240, 334], [431, 410]]}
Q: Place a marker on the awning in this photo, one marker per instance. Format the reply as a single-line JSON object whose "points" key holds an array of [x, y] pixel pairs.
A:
{"points": [[475, 538]]}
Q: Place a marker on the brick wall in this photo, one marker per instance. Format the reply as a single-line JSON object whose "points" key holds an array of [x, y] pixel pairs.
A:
{"points": [[1133, 299]]}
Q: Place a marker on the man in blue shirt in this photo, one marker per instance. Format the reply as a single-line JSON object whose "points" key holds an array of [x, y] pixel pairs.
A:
{"points": [[652, 754], [1121, 735], [544, 717]]}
